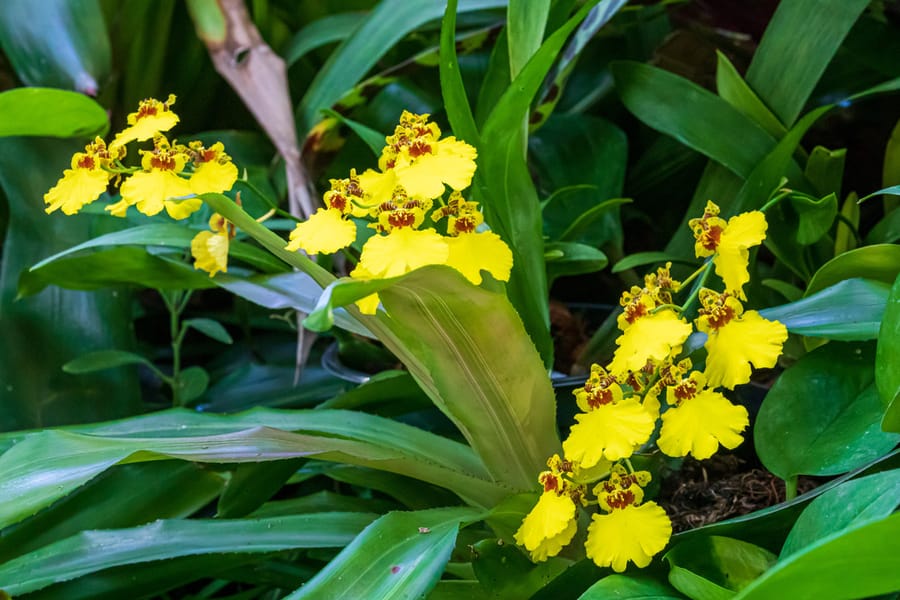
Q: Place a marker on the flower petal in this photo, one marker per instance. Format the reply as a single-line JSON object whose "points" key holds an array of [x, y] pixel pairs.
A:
{"points": [[210, 252], [655, 336], [77, 188], [325, 232], [402, 251], [611, 431], [740, 342], [548, 527], [149, 190], [742, 232], [699, 424], [633, 533], [471, 253]]}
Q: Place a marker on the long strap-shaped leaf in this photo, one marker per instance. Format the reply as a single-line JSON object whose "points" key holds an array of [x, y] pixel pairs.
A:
{"points": [[92, 551], [401, 555], [47, 465]]}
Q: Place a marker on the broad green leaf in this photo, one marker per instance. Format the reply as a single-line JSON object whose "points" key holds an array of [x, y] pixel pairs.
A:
{"points": [[324, 501], [887, 373], [639, 259], [893, 190], [880, 262], [626, 587], [124, 265], [92, 551], [328, 29], [456, 102], [798, 44], [210, 328], [469, 352], [850, 310], [732, 87], [51, 113], [384, 26], [458, 589], [401, 555], [63, 324], [822, 416], [714, 567], [700, 119], [584, 222], [104, 359], [846, 507], [44, 466], [118, 498], [864, 565], [59, 44], [887, 230]]}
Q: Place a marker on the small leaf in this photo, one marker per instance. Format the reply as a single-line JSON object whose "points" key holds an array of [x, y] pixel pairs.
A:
{"points": [[626, 587], [714, 567], [210, 328], [50, 112], [191, 384], [893, 190], [881, 262], [373, 139], [887, 372], [822, 416], [104, 359], [846, 507], [639, 259], [572, 259]]}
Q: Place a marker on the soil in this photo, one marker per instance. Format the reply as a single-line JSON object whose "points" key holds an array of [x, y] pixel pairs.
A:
{"points": [[724, 486]]}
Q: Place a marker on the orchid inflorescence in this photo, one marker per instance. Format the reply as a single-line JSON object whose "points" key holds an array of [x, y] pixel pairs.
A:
{"points": [[648, 387], [171, 176], [407, 192]]}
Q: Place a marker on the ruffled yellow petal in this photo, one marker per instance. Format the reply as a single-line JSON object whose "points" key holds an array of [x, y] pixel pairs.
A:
{"points": [[548, 527], [732, 255], [148, 190], [325, 232], [655, 336], [379, 186], [699, 424], [182, 209], [369, 304], [742, 341], [213, 177], [450, 162], [77, 188], [402, 251], [611, 431], [471, 253], [210, 252], [633, 533], [152, 117]]}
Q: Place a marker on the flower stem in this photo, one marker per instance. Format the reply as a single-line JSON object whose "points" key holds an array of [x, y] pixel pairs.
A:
{"points": [[176, 304], [704, 271], [790, 488]]}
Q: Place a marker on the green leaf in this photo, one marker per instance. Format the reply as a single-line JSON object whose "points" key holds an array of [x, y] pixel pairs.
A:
{"points": [[850, 310], [887, 375], [383, 27], [822, 416], [639, 259], [456, 102], [880, 262], [210, 328], [714, 567], [571, 258], [401, 555], [44, 466], [846, 507], [825, 169], [864, 559], [798, 44], [893, 190], [250, 485], [50, 113], [732, 87], [626, 587], [790, 291], [469, 352], [59, 44], [700, 119], [846, 234], [92, 551], [525, 24], [887, 230], [321, 32], [505, 572], [104, 359], [191, 383], [124, 265]]}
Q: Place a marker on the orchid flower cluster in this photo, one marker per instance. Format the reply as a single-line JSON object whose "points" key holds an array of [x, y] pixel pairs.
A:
{"points": [[648, 387], [170, 177], [402, 202]]}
